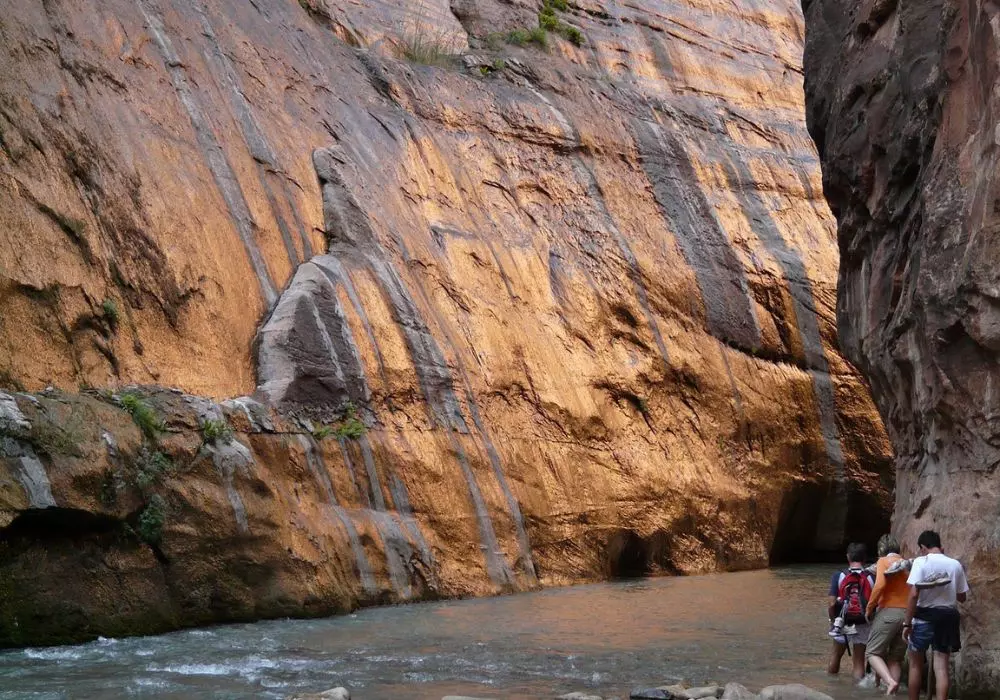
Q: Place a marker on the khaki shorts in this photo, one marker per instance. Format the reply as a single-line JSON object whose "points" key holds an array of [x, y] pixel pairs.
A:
{"points": [[886, 637]]}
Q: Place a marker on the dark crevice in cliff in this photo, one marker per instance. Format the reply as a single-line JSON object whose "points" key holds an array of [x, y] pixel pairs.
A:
{"points": [[58, 523], [799, 537]]}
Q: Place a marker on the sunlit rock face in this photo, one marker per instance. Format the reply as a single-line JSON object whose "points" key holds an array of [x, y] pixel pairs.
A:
{"points": [[903, 102], [581, 297]]}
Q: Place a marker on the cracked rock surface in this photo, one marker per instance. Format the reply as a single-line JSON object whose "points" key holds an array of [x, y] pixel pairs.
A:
{"points": [[530, 315]]}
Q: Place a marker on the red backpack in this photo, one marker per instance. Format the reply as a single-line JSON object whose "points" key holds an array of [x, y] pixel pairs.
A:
{"points": [[855, 591]]}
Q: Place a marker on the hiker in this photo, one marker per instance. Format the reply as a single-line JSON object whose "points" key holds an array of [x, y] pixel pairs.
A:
{"points": [[937, 585], [850, 591], [886, 648]]}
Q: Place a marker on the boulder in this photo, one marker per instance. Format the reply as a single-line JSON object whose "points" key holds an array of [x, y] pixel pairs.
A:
{"points": [[735, 691], [332, 694], [579, 696], [708, 691], [792, 691], [652, 694]]}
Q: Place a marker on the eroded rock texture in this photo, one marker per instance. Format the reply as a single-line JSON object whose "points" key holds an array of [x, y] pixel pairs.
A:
{"points": [[903, 103], [582, 298]]}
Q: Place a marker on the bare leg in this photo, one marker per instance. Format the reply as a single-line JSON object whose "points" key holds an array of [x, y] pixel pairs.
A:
{"points": [[941, 674], [880, 668], [838, 652], [916, 674], [859, 661], [896, 672]]}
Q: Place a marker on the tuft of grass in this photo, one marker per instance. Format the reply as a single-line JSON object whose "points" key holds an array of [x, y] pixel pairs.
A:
{"points": [[322, 432], [520, 37], [428, 47], [350, 429], [572, 34], [216, 431], [149, 527], [110, 310], [548, 20], [143, 415]]}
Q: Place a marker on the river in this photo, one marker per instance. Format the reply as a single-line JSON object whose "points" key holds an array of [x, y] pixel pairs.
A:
{"points": [[756, 628]]}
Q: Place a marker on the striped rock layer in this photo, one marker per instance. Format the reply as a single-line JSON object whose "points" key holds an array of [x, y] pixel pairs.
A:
{"points": [[582, 299]]}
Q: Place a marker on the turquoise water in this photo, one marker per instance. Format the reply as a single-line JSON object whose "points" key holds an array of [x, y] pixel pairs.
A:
{"points": [[756, 628]]}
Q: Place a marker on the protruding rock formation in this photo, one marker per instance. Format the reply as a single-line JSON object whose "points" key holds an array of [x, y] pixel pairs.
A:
{"points": [[903, 103], [512, 314]]}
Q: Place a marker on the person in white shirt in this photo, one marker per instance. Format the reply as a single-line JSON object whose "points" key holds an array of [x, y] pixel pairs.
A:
{"points": [[937, 585]]}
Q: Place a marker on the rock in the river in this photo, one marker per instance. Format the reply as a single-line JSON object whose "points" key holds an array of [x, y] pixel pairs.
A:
{"points": [[903, 102], [708, 691], [792, 691], [332, 694], [735, 691], [652, 694], [579, 696]]}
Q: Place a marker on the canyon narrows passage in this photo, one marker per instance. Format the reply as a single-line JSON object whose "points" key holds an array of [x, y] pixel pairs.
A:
{"points": [[532, 315]]}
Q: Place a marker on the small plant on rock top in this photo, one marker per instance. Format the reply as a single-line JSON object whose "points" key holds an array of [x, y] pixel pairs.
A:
{"points": [[143, 415]]}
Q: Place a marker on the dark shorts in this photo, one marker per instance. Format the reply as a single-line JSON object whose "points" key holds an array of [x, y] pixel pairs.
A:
{"points": [[940, 630]]}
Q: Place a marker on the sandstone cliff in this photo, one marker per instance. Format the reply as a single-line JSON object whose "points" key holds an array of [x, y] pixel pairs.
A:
{"points": [[530, 314], [903, 105]]}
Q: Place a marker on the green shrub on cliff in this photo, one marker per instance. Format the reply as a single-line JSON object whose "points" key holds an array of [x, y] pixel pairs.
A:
{"points": [[322, 432], [110, 311], [143, 415], [150, 468], [520, 37], [149, 526], [216, 431], [350, 429]]}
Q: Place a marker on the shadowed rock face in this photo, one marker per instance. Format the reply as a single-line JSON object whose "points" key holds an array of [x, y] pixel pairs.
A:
{"points": [[903, 104], [581, 297]]}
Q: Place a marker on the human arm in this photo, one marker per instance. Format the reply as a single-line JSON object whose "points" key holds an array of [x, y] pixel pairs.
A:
{"points": [[832, 607], [911, 610]]}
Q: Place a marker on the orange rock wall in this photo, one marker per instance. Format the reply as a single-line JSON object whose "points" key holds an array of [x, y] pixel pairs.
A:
{"points": [[582, 297]]}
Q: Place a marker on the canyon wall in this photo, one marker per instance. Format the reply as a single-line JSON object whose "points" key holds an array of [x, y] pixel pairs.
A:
{"points": [[903, 104], [514, 307]]}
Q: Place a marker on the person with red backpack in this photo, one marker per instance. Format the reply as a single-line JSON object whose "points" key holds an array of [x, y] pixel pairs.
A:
{"points": [[850, 591]]}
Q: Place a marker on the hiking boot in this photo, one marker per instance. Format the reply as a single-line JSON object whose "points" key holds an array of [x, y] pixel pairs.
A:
{"points": [[934, 580], [898, 566]]}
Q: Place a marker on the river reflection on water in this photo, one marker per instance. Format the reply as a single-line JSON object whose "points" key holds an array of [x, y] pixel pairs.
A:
{"points": [[757, 628]]}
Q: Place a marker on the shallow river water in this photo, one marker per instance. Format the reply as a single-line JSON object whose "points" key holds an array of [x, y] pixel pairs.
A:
{"points": [[757, 628]]}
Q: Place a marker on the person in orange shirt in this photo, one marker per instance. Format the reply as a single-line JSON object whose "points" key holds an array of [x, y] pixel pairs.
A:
{"points": [[886, 648]]}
